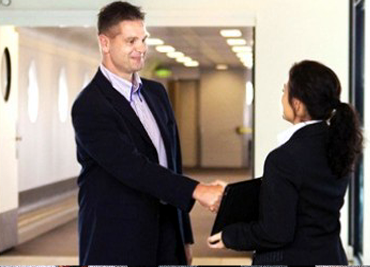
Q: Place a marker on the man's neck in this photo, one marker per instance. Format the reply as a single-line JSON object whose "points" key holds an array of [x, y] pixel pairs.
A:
{"points": [[123, 75]]}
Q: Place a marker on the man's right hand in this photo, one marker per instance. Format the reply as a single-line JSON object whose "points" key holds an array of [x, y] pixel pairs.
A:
{"points": [[209, 195]]}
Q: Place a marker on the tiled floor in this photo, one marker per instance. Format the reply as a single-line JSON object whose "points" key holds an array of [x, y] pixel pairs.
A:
{"points": [[59, 247]]}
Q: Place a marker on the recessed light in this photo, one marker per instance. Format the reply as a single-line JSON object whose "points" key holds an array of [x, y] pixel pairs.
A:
{"points": [[175, 54], [238, 49], [193, 63], [244, 54], [183, 59], [231, 33], [246, 57], [221, 67], [164, 48], [154, 41], [235, 41], [248, 64]]}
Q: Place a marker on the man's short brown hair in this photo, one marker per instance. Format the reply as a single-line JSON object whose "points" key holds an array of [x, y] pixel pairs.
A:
{"points": [[116, 12]]}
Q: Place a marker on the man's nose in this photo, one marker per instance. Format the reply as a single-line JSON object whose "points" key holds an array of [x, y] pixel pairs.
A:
{"points": [[141, 47]]}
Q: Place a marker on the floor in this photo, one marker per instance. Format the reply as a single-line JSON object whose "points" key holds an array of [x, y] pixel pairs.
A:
{"points": [[59, 246]]}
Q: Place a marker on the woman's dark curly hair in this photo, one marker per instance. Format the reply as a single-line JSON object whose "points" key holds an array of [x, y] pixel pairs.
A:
{"points": [[318, 87]]}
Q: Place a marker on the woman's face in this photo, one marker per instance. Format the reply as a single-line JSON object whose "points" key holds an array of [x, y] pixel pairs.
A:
{"points": [[288, 112]]}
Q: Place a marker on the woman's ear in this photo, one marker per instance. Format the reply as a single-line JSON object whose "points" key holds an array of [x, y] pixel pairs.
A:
{"points": [[300, 109], [296, 104]]}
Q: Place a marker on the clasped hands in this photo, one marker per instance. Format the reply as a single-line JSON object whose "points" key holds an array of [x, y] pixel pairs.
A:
{"points": [[210, 195]]}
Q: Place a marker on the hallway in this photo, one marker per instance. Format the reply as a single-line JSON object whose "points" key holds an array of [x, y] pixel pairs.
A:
{"points": [[59, 246]]}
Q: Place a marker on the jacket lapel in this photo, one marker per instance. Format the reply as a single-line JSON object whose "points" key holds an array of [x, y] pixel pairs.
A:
{"points": [[159, 112], [121, 104]]}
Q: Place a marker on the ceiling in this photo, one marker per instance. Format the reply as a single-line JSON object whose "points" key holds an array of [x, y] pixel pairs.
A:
{"points": [[203, 44]]}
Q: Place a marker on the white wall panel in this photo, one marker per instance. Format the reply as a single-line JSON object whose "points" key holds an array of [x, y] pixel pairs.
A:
{"points": [[8, 116], [47, 152]]}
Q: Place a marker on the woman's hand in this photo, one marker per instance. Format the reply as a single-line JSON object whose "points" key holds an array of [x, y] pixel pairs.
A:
{"points": [[215, 241]]}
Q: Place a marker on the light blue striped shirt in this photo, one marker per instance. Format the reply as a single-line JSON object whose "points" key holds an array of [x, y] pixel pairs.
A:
{"points": [[131, 91]]}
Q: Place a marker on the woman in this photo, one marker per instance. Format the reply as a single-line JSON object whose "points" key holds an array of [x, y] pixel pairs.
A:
{"points": [[305, 178]]}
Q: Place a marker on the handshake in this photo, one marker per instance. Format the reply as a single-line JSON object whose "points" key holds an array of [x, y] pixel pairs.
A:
{"points": [[210, 195]]}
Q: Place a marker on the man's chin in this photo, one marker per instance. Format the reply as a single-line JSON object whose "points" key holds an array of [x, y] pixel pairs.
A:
{"points": [[139, 68]]}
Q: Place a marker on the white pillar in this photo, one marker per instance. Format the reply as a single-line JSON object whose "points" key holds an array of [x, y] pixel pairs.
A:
{"points": [[8, 161]]}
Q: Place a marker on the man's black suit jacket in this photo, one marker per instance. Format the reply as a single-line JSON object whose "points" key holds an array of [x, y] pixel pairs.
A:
{"points": [[300, 203], [121, 183]]}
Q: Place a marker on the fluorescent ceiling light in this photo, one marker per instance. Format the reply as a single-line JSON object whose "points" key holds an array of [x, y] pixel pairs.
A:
{"points": [[154, 41], [248, 64], [193, 63], [165, 48], [231, 33], [238, 49], [246, 60], [175, 54], [234, 41], [221, 67], [183, 59], [244, 55]]}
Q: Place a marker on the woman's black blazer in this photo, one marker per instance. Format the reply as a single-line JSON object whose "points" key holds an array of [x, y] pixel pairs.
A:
{"points": [[300, 204]]}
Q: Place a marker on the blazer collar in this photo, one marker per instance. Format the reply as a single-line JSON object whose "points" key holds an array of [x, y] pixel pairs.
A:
{"points": [[158, 110], [312, 129], [121, 104]]}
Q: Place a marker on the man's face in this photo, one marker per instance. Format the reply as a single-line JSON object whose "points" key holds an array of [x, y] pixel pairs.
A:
{"points": [[127, 46]]}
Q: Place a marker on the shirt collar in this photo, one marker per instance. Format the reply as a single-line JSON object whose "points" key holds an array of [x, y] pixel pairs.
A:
{"points": [[124, 87], [136, 85], [284, 136]]}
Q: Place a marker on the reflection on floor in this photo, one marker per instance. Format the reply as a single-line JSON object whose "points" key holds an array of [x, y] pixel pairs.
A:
{"points": [[59, 247]]}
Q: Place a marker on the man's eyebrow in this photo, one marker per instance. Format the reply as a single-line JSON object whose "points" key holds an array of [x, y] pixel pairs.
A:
{"points": [[131, 38]]}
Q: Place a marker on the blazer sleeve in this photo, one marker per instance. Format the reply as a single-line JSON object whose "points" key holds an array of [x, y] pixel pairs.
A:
{"points": [[96, 130], [278, 207]]}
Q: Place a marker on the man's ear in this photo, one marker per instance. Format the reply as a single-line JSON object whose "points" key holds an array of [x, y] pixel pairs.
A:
{"points": [[104, 43]]}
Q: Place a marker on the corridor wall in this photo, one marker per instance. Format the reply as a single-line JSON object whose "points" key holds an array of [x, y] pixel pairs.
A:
{"points": [[8, 159]]}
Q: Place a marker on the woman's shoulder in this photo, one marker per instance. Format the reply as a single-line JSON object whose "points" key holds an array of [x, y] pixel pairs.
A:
{"points": [[281, 157]]}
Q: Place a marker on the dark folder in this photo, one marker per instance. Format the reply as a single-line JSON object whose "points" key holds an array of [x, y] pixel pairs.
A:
{"points": [[239, 204]]}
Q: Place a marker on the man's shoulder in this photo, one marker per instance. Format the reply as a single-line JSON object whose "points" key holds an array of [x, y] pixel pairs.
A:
{"points": [[88, 91], [151, 83], [90, 95], [154, 87]]}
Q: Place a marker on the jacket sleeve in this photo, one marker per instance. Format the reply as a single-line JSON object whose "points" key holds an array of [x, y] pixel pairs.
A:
{"points": [[97, 133], [277, 212]]}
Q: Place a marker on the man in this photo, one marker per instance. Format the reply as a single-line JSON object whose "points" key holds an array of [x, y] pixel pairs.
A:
{"points": [[134, 202]]}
